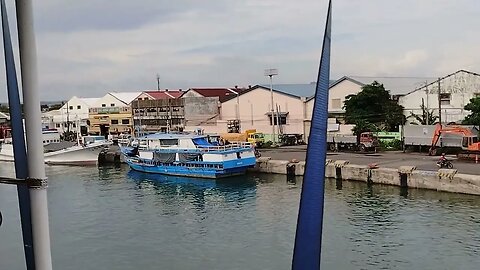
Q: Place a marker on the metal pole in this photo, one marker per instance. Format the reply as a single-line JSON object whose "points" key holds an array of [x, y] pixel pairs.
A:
{"points": [[439, 103], [273, 111], [426, 107], [33, 125], [19, 148]]}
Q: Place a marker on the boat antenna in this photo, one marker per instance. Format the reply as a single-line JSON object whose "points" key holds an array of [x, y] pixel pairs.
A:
{"points": [[308, 239], [19, 148]]}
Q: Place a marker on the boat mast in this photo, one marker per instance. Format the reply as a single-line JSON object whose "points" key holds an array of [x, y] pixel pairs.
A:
{"points": [[33, 125]]}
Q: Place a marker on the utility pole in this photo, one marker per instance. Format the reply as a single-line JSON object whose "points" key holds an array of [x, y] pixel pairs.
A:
{"points": [[270, 73], [158, 82], [426, 91], [439, 103], [68, 120]]}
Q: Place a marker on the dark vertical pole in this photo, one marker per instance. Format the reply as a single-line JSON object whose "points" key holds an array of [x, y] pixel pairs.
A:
{"points": [[19, 148], [439, 103], [308, 238]]}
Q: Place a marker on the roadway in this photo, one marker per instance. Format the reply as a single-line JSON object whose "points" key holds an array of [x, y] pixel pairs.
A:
{"points": [[383, 159]]}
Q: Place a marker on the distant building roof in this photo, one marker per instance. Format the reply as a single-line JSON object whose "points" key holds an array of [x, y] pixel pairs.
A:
{"points": [[396, 85], [126, 97], [165, 94], [4, 116], [298, 90], [223, 94]]}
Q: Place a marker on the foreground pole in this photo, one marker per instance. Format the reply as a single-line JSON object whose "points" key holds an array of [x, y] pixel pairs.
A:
{"points": [[33, 126], [308, 239], [18, 135]]}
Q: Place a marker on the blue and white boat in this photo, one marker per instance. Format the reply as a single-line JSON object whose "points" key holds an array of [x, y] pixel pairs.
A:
{"points": [[188, 155]]}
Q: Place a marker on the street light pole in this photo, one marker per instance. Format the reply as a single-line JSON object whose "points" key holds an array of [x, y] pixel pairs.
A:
{"points": [[270, 73]]}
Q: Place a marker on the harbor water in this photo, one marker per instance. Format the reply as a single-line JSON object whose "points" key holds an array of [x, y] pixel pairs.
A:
{"points": [[113, 218]]}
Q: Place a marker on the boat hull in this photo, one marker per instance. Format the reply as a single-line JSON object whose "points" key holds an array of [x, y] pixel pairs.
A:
{"points": [[76, 155], [197, 172]]}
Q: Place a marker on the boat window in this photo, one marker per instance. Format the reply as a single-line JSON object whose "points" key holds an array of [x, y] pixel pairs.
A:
{"points": [[168, 142]]}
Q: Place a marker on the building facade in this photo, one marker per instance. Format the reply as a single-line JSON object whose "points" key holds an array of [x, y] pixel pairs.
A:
{"points": [[72, 116], [456, 90], [112, 114]]}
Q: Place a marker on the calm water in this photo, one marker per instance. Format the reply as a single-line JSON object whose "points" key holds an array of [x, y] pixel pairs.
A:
{"points": [[110, 218]]}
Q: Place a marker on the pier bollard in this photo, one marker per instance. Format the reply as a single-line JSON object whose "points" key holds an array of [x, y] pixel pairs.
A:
{"points": [[291, 173], [404, 172]]}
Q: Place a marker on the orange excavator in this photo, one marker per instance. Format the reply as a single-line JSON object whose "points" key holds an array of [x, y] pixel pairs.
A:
{"points": [[470, 143]]}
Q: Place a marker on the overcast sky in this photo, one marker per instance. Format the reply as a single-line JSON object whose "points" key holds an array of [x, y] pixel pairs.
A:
{"points": [[90, 47]]}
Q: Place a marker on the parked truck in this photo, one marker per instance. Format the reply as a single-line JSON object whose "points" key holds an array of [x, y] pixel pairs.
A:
{"points": [[438, 139], [251, 136], [367, 141]]}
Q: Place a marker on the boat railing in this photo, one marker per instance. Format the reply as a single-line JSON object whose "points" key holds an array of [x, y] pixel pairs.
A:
{"points": [[205, 148]]}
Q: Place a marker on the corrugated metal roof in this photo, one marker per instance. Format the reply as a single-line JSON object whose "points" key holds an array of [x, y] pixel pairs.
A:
{"points": [[396, 85], [164, 94], [223, 94], [298, 90]]}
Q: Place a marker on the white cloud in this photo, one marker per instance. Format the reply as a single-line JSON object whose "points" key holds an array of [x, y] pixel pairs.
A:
{"points": [[89, 47]]}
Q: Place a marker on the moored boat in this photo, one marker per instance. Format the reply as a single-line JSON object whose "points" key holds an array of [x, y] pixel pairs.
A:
{"points": [[62, 153], [188, 155]]}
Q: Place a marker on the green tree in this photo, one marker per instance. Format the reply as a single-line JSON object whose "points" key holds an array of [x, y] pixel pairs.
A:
{"points": [[474, 117], [426, 118], [373, 107]]}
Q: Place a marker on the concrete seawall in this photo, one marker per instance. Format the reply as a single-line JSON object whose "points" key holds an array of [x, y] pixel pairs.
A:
{"points": [[447, 180]]}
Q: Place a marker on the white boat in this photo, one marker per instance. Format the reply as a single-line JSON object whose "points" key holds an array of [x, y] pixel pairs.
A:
{"points": [[84, 153]]}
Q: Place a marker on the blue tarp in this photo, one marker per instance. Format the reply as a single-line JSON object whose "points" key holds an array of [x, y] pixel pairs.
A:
{"points": [[201, 142]]}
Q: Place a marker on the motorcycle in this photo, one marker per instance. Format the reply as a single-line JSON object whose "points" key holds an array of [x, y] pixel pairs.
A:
{"points": [[445, 164]]}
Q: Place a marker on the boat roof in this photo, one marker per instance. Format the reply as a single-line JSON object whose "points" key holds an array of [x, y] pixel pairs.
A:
{"points": [[163, 136]]}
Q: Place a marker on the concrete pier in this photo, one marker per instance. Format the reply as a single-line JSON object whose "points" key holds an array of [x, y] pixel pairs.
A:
{"points": [[447, 180]]}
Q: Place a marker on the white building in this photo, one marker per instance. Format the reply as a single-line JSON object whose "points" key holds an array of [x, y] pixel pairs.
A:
{"points": [[112, 114], [456, 90], [74, 112]]}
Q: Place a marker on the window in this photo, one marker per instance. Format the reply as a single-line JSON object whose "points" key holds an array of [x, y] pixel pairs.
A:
{"points": [[112, 104], [79, 107], [336, 103], [57, 125], [104, 105], [70, 107], [114, 121], [445, 98], [125, 121], [74, 125], [283, 119]]}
